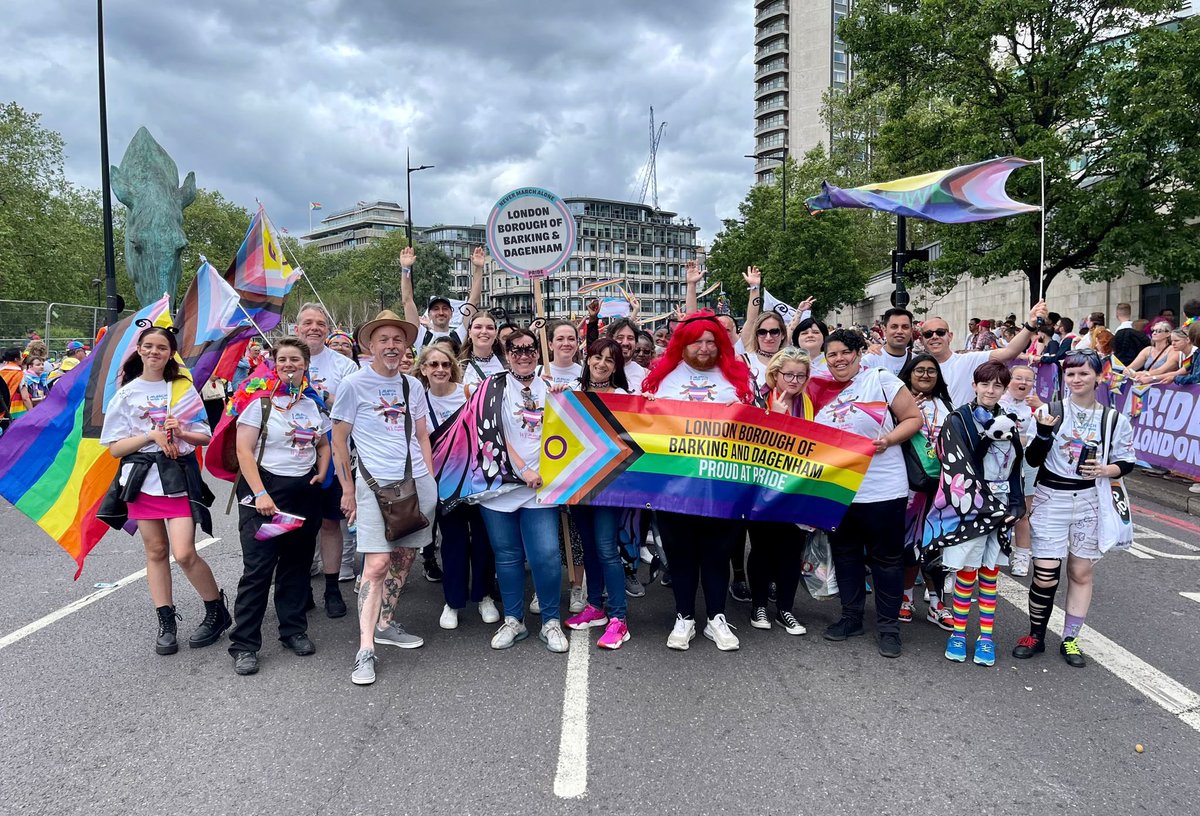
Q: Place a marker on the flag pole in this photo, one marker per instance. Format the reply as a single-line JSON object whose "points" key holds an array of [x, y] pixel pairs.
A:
{"points": [[299, 270], [257, 328], [1042, 241]]}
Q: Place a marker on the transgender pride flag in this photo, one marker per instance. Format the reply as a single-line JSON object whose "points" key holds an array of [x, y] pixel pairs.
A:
{"points": [[217, 305]]}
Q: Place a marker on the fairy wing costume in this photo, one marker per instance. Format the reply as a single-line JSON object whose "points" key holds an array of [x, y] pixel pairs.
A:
{"points": [[964, 506], [470, 455]]}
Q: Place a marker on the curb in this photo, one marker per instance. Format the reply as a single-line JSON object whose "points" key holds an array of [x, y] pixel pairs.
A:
{"points": [[1164, 488]]}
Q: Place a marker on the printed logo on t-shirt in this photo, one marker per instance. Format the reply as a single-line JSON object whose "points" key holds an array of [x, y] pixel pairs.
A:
{"points": [[300, 437], [529, 412], [699, 389], [392, 412]]}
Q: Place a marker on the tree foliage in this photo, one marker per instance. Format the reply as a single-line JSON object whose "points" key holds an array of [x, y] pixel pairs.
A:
{"points": [[1108, 99], [828, 257], [215, 229]]}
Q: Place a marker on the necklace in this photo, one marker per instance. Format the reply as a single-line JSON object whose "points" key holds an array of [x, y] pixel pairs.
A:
{"points": [[606, 384], [1084, 418], [523, 379], [479, 359]]}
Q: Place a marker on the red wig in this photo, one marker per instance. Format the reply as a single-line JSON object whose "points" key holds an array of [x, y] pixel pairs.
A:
{"points": [[688, 331]]}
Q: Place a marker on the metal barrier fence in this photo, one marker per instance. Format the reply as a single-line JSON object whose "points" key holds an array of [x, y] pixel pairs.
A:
{"points": [[56, 323]]}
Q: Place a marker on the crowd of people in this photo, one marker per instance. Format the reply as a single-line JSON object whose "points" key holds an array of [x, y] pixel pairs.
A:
{"points": [[335, 433]]}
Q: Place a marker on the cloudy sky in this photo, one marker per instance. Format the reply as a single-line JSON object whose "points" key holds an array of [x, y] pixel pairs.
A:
{"points": [[291, 102]]}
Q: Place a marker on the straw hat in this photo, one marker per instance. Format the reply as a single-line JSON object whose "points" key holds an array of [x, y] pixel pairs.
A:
{"points": [[362, 335]]}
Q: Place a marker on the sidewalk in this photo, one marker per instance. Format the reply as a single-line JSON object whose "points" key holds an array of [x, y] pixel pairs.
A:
{"points": [[1165, 489]]}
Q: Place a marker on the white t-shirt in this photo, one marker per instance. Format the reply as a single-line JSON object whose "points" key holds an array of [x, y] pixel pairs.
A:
{"points": [[1024, 417], [1080, 427], [634, 373], [758, 370], [291, 434], [687, 384], [444, 407], [959, 373], [885, 359], [374, 405], [427, 337], [521, 419], [137, 408], [862, 408], [326, 372], [471, 369], [561, 376]]}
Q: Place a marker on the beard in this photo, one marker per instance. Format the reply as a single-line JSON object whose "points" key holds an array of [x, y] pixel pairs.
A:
{"points": [[700, 363]]}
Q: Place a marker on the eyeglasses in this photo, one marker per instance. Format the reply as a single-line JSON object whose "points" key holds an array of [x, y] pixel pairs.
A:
{"points": [[931, 332], [793, 377], [769, 332], [522, 351], [924, 372], [437, 364]]}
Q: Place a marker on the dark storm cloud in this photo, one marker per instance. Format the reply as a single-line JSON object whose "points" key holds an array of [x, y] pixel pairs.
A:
{"points": [[289, 102]]}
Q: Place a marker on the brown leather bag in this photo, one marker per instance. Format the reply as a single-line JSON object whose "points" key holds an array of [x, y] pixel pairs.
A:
{"points": [[398, 501]]}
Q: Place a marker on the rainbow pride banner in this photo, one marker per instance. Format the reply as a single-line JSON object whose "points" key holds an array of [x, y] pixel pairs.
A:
{"points": [[720, 461]]}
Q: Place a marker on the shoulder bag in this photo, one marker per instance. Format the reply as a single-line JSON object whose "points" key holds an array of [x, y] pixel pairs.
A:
{"points": [[398, 501]]}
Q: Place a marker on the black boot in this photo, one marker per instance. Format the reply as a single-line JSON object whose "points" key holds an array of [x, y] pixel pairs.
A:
{"points": [[166, 643], [216, 620]]}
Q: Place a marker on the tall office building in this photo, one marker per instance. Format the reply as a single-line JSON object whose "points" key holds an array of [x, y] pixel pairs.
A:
{"points": [[798, 57], [356, 226]]}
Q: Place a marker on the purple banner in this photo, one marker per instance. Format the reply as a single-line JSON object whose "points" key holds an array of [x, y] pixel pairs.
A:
{"points": [[1166, 431], [1046, 385]]}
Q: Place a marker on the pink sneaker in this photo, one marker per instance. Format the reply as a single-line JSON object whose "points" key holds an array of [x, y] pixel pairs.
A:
{"points": [[589, 617], [616, 634]]}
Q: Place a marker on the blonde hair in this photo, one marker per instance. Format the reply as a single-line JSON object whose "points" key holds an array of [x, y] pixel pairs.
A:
{"points": [[787, 355], [455, 368], [763, 318]]}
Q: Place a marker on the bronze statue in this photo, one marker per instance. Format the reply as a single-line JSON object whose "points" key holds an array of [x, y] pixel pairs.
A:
{"points": [[147, 183]]}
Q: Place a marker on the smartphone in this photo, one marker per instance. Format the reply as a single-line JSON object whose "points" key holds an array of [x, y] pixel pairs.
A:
{"points": [[1087, 453]]}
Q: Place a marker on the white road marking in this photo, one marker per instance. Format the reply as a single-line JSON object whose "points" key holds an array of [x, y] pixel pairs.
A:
{"points": [[570, 781], [1161, 689], [1148, 533], [80, 603], [1191, 596], [1136, 552]]}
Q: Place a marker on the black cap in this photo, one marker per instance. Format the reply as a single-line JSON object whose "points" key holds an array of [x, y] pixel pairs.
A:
{"points": [[438, 299]]}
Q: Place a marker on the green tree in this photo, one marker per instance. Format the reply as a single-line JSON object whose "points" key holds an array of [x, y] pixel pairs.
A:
{"points": [[215, 228], [1109, 102], [828, 257]]}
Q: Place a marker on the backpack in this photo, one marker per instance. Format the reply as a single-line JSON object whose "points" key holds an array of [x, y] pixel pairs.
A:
{"points": [[222, 460]]}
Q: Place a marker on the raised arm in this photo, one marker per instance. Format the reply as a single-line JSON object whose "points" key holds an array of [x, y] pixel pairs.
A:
{"points": [[475, 296], [407, 257], [1024, 336], [753, 304], [693, 275]]}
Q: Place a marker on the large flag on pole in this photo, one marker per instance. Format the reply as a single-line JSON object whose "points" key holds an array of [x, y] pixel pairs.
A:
{"points": [[262, 278], [974, 192], [52, 465]]}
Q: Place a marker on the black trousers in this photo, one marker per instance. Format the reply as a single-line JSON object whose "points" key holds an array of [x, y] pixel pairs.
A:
{"points": [[285, 559], [698, 553], [871, 531], [776, 554], [468, 564]]}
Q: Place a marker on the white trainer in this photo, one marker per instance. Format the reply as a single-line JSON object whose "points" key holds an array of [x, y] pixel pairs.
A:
{"points": [[578, 599], [449, 618], [1020, 561], [535, 606], [683, 633], [509, 633], [719, 632], [488, 611], [554, 638]]}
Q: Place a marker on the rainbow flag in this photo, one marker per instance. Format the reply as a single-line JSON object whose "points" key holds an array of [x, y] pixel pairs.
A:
{"points": [[974, 192], [719, 461], [262, 277], [52, 465]]}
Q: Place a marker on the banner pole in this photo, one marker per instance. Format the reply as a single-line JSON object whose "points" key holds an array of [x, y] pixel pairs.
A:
{"points": [[1042, 241]]}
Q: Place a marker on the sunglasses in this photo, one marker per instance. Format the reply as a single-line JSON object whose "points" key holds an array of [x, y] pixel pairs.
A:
{"points": [[1160, 331], [769, 332], [522, 351], [931, 332], [437, 364]]}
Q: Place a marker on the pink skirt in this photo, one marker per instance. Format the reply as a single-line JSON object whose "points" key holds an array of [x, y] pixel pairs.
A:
{"points": [[146, 506]]}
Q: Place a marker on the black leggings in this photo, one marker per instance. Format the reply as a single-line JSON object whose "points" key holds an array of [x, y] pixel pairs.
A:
{"points": [[776, 553], [698, 553], [874, 532]]}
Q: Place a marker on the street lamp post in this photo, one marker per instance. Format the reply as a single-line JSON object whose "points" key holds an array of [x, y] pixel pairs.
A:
{"points": [[408, 190], [110, 263], [783, 174]]}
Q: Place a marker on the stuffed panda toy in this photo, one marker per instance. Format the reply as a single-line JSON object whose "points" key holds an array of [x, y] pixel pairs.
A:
{"points": [[1000, 428]]}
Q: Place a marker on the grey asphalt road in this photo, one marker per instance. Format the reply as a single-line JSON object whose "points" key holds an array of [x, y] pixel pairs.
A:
{"points": [[92, 721]]}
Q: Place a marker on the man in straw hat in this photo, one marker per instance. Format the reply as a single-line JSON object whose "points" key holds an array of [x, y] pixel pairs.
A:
{"points": [[384, 411]]}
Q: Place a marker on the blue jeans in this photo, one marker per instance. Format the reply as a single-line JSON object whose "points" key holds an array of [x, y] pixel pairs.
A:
{"points": [[528, 532], [598, 527]]}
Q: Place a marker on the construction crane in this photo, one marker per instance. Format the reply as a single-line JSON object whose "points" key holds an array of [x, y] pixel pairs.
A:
{"points": [[648, 178]]}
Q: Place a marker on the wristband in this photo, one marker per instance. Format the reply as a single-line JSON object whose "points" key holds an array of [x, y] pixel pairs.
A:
{"points": [[1028, 328], [751, 288], [260, 493]]}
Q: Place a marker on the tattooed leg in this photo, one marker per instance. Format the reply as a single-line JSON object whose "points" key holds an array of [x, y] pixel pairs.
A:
{"points": [[397, 576], [370, 596]]}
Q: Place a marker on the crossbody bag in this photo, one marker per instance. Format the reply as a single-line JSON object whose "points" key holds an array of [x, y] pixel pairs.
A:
{"points": [[398, 502]]}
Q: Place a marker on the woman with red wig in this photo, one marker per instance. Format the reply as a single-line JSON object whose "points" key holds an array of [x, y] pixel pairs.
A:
{"points": [[699, 365]]}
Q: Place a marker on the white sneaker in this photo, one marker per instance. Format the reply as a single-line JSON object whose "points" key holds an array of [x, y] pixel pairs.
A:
{"points": [[535, 606], [488, 611], [1020, 562], [449, 618], [364, 668], [1194, 488], [554, 638], [346, 573], [683, 633], [578, 599], [509, 633], [718, 631]]}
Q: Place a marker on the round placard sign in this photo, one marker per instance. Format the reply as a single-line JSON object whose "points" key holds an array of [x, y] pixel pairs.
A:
{"points": [[530, 232]]}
